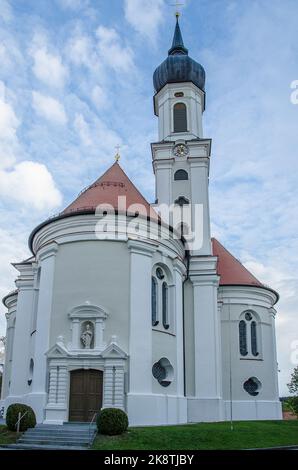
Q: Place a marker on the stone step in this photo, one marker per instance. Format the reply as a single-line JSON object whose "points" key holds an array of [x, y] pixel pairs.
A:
{"points": [[54, 442], [54, 436], [57, 438], [42, 447], [46, 436], [60, 433]]}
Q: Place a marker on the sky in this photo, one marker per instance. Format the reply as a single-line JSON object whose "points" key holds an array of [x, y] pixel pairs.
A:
{"points": [[76, 81]]}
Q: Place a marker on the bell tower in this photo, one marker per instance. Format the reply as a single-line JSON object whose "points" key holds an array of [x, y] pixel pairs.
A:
{"points": [[181, 160], [181, 156]]}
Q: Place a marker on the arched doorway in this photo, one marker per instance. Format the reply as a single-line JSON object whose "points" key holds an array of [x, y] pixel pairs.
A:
{"points": [[85, 397]]}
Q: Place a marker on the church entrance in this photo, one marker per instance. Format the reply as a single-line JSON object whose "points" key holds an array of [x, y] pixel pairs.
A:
{"points": [[85, 396]]}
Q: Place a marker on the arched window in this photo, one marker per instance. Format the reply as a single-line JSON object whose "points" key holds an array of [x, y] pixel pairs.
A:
{"points": [[165, 320], [154, 301], [253, 338], [248, 335], [181, 175], [182, 201], [160, 300], [180, 118], [243, 338]]}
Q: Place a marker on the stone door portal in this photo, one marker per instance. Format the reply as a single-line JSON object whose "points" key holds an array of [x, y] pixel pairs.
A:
{"points": [[85, 394]]}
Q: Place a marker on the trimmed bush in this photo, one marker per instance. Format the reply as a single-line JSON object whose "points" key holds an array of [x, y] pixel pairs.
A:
{"points": [[112, 421], [12, 416]]}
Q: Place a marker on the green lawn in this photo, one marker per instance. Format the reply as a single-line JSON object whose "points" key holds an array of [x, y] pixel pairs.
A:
{"points": [[6, 436], [204, 436]]}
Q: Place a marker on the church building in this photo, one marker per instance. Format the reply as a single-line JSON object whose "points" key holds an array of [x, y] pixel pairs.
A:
{"points": [[123, 304]]}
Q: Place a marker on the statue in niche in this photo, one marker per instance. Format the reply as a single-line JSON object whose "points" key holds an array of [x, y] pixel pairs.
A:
{"points": [[87, 336]]}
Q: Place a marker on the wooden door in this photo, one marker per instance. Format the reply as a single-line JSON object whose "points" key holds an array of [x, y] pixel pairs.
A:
{"points": [[85, 394]]}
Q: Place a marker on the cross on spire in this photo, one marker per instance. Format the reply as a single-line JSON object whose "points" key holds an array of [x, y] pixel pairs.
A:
{"points": [[117, 156], [177, 4]]}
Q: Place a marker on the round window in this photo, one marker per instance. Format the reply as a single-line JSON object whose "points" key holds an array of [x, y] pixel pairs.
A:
{"points": [[160, 273], [163, 372], [252, 386], [248, 316]]}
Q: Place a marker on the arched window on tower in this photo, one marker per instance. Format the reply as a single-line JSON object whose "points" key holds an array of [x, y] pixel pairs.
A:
{"points": [[180, 117], [248, 335], [181, 201], [180, 175]]}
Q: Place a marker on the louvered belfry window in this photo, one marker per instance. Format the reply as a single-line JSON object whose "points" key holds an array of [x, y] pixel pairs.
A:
{"points": [[180, 118]]}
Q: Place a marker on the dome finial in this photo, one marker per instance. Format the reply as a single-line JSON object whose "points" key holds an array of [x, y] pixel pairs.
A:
{"points": [[177, 44]]}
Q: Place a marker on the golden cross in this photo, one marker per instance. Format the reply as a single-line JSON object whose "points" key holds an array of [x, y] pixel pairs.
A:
{"points": [[117, 156], [177, 5]]}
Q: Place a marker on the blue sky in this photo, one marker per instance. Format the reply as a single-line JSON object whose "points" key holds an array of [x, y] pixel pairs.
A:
{"points": [[76, 80]]}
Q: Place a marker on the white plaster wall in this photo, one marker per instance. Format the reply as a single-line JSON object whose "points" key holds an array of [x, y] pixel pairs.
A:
{"points": [[94, 271], [164, 345]]}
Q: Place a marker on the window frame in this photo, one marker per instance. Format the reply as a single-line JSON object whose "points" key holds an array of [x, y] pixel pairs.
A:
{"points": [[252, 341], [174, 120], [165, 314]]}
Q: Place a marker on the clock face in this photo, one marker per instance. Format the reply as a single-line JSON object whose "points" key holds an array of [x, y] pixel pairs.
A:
{"points": [[181, 150]]}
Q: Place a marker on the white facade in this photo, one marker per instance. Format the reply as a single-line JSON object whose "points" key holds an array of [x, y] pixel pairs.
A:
{"points": [[149, 314]]}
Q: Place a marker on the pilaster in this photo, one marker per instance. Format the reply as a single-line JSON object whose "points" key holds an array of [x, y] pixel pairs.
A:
{"points": [[140, 335], [46, 258]]}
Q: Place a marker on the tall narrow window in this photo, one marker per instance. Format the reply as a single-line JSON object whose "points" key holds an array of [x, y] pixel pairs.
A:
{"points": [[253, 337], [154, 301], [243, 338], [165, 320], [180, 118]]}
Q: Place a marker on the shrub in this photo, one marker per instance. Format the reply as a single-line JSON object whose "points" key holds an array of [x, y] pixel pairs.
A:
{"points": [[112, 421], [293, 405], [12, 416]]}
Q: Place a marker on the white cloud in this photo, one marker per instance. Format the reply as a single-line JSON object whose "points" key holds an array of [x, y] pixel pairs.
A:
{"points": [[13, 248], [49, 108], [30, 184], [145, 16], [8, 120], [9, 123], [82, 128], [99, 97], [111, 50], [5, 11], [49, 68], [81, 51]]}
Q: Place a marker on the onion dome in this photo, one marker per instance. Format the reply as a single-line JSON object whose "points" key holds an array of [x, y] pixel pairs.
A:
{"points": [[178, 67]]}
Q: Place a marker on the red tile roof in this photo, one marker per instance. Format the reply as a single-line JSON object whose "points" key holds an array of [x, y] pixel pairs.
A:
{"points": [[230, 270], [106, 191]]}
